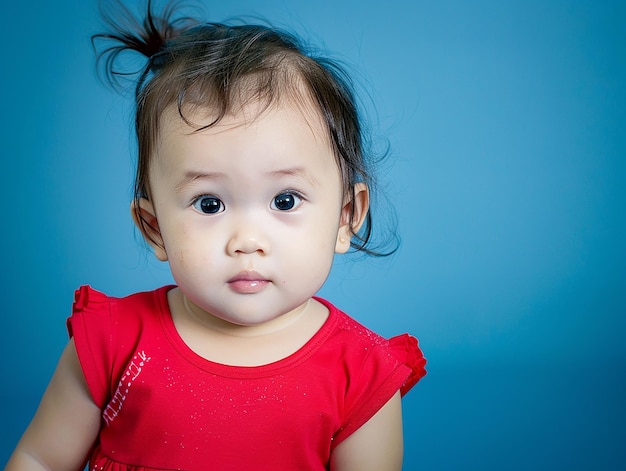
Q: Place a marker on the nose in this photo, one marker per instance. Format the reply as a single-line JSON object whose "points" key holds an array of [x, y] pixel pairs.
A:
{"points": [[247, 238]]}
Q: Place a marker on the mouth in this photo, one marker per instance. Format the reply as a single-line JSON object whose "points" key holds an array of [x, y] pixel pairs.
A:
{"points": [[248, 282]]}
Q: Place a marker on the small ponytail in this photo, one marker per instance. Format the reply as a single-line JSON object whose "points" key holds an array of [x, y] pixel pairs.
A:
{"points": [[148, 37]]}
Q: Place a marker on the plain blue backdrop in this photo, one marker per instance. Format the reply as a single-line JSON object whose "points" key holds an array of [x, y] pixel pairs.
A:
{"points": [[507, 170]]}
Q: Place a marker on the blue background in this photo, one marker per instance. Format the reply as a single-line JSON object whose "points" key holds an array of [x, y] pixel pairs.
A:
{"points": [[507, 126]]}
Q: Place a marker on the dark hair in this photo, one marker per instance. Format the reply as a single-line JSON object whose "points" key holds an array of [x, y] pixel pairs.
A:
{"points": [[218, 66]]}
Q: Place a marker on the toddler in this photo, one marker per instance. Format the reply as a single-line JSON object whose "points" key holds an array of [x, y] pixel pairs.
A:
{"points": [[251, 176]]}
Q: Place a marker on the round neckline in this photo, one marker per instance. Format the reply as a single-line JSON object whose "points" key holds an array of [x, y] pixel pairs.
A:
{"points": [[235, 371]]}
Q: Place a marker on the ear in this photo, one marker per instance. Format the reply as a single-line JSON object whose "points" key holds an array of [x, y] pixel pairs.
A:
{"points": [[358, 206], [145, 219]]}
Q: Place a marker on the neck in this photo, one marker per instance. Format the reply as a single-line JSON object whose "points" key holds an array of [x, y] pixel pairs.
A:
{"points": [[222, 326]]}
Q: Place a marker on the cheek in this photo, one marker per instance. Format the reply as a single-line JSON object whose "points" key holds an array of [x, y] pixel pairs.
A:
{"points": [[180, 258], [318, 246], [317, 235], [180, 244]]}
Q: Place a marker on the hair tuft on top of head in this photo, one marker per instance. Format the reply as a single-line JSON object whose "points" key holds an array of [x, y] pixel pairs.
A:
{"points": [[128, 33]]}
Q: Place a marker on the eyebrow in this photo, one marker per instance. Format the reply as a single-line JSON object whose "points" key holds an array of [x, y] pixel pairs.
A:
{"points": [[192, 176], [294, 172]]}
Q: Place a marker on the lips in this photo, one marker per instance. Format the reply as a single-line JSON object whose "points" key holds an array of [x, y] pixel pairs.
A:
{"points": [[248, 282]]}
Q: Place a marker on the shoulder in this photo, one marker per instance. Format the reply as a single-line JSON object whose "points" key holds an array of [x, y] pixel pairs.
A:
{"points": [[358, 352], [98, 317], [346, 326], [400, 352]]}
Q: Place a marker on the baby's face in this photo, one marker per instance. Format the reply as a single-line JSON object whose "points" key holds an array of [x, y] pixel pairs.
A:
{"points": [[248, 211]]}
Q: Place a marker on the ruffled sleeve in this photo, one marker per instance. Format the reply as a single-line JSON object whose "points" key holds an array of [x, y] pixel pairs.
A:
{"points": [[90, 325], [378, 368], [406, 349]]}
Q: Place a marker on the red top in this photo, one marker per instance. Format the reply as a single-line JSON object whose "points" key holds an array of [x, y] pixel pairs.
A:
{"points": [[165, 407]]}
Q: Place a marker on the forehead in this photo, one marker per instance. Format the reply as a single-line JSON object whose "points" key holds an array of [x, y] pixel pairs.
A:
{"points": [[247, 99], [277, 133]]}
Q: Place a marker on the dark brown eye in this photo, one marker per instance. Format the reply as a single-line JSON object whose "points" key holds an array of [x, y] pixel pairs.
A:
{"points": [[208, 205], [285, 201]]}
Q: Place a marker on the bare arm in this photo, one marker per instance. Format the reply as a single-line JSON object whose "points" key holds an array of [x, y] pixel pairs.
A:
{"points": [[377, 445], [65, 425]]}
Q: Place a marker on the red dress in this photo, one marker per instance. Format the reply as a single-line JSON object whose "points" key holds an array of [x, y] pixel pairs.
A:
{"points": [[164, 407]]}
